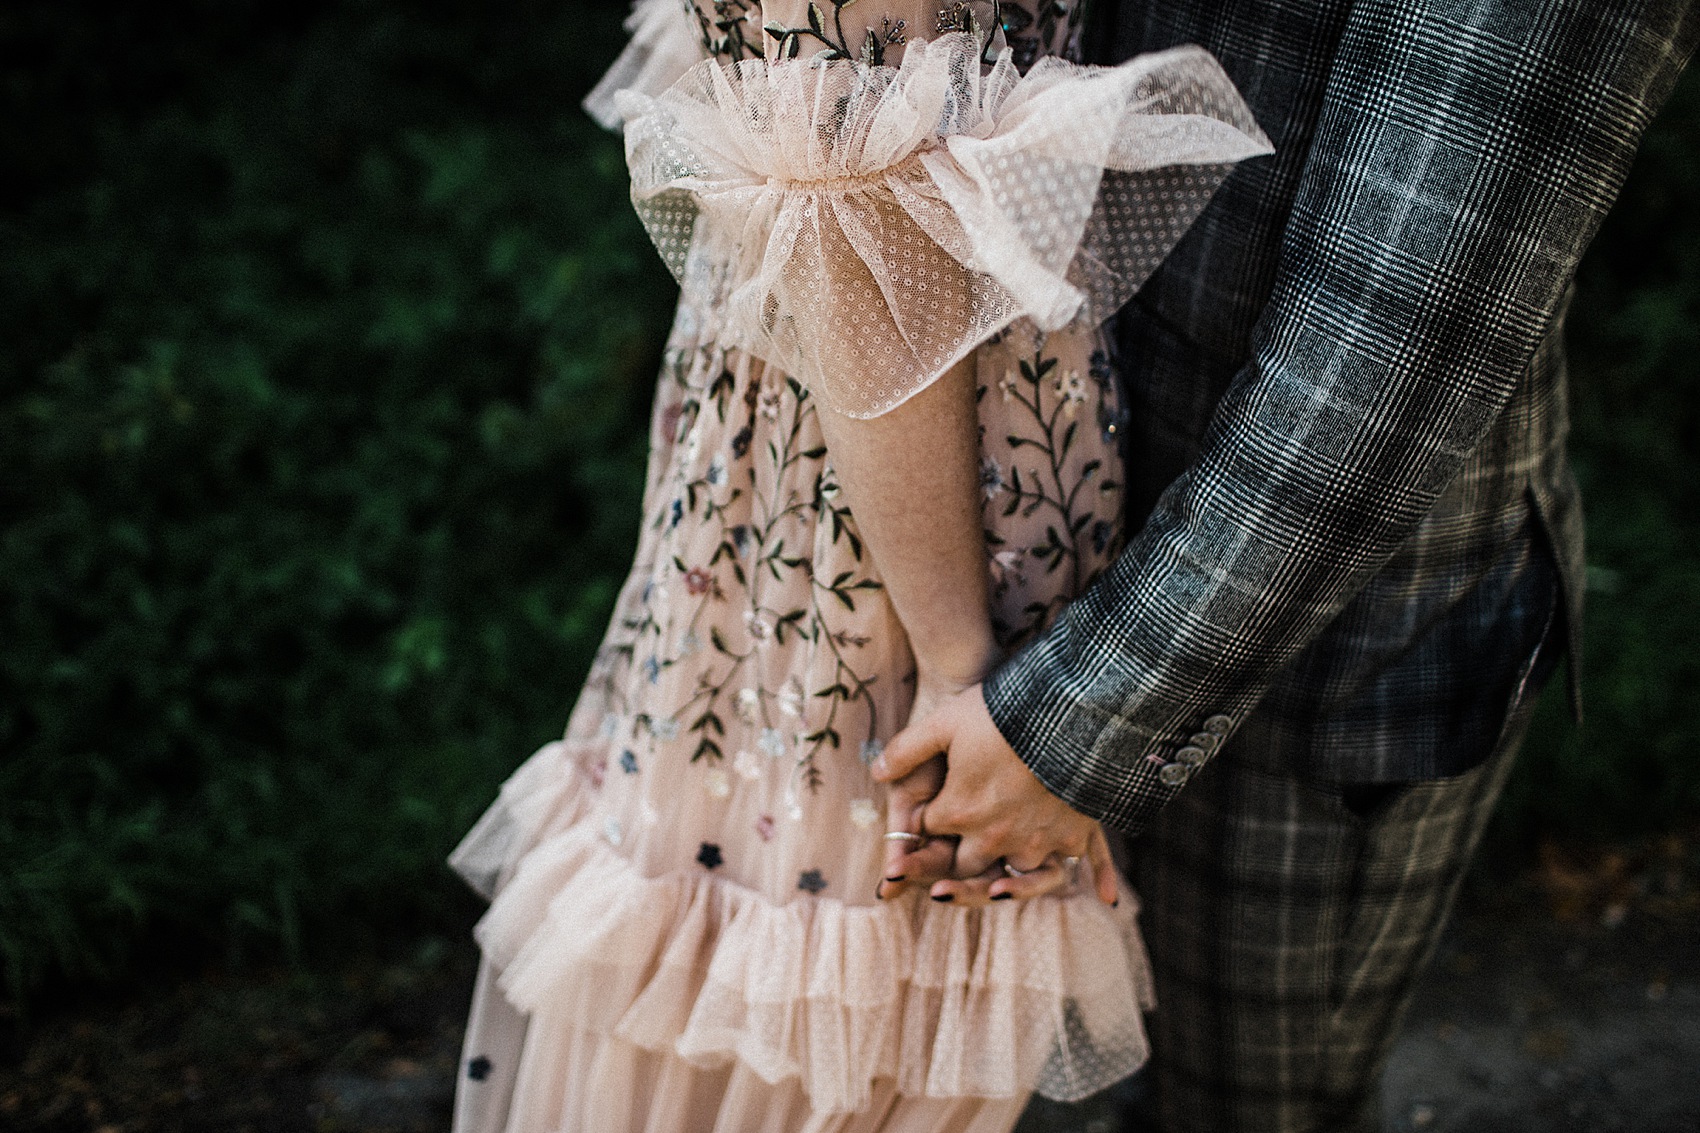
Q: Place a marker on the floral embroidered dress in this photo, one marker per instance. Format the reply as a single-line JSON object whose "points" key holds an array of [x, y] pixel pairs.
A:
{"points": [[684, 932]]}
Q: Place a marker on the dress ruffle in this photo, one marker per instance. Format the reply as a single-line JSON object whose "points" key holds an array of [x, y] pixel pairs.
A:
{"points": [[945, 1002], [662, 47], [871, 225]]}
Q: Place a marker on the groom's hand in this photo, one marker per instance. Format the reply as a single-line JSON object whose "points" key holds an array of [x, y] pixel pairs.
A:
{"points": [[990, 801]]}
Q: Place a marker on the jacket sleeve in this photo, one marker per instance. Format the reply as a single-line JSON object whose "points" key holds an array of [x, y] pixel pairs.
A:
{"points": [[1464, 159]]}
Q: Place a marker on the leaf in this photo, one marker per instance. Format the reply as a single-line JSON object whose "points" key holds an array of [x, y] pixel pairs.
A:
{"points": [[817, 20]]}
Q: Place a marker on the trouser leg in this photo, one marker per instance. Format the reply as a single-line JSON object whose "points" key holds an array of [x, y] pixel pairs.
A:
{"points": [[1287, 930]]}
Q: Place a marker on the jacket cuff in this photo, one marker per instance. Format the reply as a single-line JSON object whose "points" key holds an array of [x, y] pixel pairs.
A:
{"points": [[1105, 766]]}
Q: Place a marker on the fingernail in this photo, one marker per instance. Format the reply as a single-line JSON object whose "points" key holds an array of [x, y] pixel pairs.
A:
{"points": [[899, 877], [1002, 896], [944, 897]]}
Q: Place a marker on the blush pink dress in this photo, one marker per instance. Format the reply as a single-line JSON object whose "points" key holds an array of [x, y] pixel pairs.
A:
{"points": [[683, 932]]}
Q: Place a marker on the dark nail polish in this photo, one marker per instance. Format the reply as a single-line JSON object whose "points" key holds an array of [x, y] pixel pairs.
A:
{"points": [[899, 877], [944, 896], [1116, 904], [1002, 896]]}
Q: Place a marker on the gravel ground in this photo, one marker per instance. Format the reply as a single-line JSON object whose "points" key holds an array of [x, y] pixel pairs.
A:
{"points": [[1569, 1002]]}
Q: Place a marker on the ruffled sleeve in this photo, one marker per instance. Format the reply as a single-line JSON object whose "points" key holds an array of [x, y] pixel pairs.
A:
{"points": [[866, 226], [664, 45]]}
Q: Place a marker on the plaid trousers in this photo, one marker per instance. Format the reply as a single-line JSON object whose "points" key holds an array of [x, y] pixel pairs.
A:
{"points": [[1288, 922]]}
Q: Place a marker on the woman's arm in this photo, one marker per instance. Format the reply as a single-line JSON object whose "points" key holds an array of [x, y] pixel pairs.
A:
{"points": [[912, 480]]}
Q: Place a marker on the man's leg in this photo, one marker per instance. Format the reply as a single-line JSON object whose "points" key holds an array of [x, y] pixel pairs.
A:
{"points": [[1287, 924]]}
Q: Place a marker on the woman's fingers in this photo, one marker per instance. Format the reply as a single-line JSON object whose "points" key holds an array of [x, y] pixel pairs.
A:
{"points": [[997, 883], [1103, 866]]}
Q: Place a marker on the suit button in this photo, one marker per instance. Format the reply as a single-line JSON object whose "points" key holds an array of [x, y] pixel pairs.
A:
{"points": [[1191, 756], [1172, 774], [1220, 725], [1209, 741]]}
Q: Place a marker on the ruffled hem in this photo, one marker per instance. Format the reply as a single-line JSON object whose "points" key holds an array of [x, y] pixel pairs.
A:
{"points": [[868, 226], [946, 1002], [662, 47]]}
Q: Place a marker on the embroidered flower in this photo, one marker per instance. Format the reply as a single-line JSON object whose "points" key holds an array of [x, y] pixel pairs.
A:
{"points": [[764, 828], [664, 729], [749, 704], [757, 625], [719, 784], [772, 743], [716, 474], [1071, 387], [741, 540], [829, 489], [746, 764], [1007, 385], [871, 750], [1101, 532], [769, 404], [675, 513], [709, 855], [698, 580], [791, 700], [1004, 565], [864, 813], [991, 477], [741, 442], [690, 643], [628, 762], [652, 669], [811, 881], [670, 421]]}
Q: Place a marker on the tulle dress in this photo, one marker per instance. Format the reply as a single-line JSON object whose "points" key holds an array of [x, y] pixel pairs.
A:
{"points": [[683, 931]]}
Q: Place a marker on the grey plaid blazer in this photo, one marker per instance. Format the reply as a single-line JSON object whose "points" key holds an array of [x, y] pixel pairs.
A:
{"points": [[1354, 519]]}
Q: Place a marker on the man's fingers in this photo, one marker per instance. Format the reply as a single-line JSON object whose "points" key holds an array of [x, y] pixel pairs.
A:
{"points": [[913, 746]]}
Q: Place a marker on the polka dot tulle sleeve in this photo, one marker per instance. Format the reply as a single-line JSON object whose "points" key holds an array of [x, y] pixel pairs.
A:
{"points": [[866, 226]]}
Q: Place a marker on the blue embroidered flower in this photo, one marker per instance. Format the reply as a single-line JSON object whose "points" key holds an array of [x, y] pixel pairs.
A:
{"points": [[1101, 532], [628, 762], [810, 881], [676, 514], [709, 855], [652, 669]]}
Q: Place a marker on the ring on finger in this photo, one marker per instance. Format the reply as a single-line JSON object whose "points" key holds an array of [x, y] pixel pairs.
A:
{"points": [[1011, 871], [905, 836]]}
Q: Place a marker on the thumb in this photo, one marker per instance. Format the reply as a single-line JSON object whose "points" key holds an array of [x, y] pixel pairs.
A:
{"points": [[913, 746]]}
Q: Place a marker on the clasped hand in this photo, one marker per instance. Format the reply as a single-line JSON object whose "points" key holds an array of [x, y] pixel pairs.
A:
{"points": [[958, 785]]}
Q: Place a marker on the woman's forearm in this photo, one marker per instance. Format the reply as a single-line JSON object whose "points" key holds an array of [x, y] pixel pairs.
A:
{"points": [[912, 480]]}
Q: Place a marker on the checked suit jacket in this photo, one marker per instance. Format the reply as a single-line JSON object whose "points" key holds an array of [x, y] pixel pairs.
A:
{"points": [[1354, 521]]}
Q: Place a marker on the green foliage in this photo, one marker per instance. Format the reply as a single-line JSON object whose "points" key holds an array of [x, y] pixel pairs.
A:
{"points": [[1636, 337], [321, 439]]}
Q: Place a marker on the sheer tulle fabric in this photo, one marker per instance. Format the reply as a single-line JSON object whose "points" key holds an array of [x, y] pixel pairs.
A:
{"points": [[838, 997], [877, 223], [661, 49]]}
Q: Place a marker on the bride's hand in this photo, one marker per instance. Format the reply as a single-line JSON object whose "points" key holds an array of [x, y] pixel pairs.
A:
{"points": [[918, 861]]}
